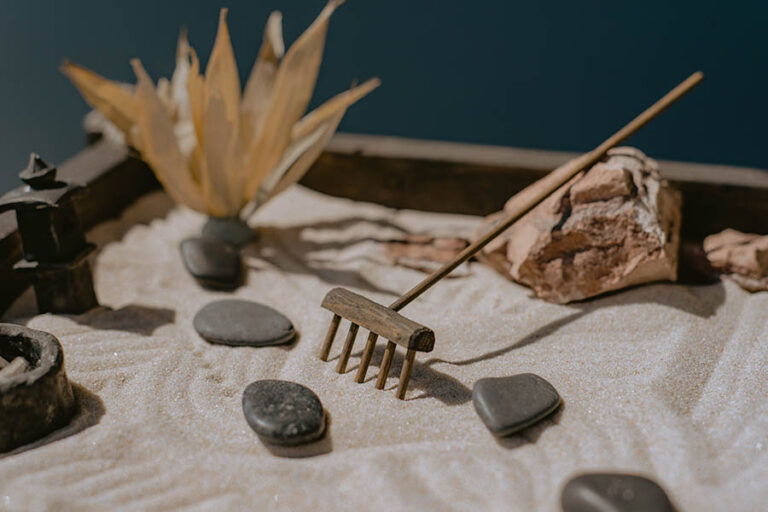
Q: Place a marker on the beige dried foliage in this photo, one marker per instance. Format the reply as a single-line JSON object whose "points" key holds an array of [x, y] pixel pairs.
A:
{"points": [[216, 149]]}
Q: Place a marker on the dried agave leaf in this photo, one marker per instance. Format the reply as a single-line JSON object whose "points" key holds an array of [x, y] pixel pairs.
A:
{"points": [[329, 109], [159, 145], [196, 94], [196, 90], [178, 94], [258, 89], [223, 198], [221, 77], [220, 123], [212, 148], [302, 165], [291, 156], [113, 100], [163, 91], [294, 84]]}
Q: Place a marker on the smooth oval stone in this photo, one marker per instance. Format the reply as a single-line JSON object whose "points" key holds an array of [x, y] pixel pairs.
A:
{"points": [[510, 404], [213, 263], [284, 413], [241, 322], [232, 230], [606, 492]]}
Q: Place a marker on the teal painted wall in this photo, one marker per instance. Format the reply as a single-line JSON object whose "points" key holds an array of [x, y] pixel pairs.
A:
{"points": [[555, 75]]}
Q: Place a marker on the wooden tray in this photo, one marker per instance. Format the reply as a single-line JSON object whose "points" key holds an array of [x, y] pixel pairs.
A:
{"points": [[406, 173]]}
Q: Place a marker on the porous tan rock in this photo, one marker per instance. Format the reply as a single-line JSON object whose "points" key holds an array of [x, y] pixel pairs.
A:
{"points": [[741, 256], [613, 226]]}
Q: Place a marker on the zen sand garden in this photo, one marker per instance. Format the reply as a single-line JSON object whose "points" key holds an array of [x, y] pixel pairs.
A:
{"points": [[663, 380]]}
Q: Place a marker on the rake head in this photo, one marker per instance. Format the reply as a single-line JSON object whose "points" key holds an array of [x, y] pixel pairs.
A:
{"points": [[380, 321]]}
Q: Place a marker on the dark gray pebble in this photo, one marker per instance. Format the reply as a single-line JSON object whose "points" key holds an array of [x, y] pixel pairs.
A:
{"points": [[232, 230], [606, 492], [284, 413], [509, 404], [241, 322], [213, 263]]}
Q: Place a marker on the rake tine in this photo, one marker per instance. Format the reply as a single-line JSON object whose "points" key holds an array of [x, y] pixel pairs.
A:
{"points": [[405, 374], [344, 357], [386, 361], [325, 350], [365, 360]]}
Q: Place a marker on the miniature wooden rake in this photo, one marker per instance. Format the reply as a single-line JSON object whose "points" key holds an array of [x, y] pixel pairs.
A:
{"points": [[414, 337]]}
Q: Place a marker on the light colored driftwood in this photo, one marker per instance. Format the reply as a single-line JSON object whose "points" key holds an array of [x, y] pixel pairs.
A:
{"points": [[3, 363], [362, 311], [743, 257], [383, 321], [16, 367]]}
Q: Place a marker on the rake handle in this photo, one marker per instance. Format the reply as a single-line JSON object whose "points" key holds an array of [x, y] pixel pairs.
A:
{"points": [[525, 200]]}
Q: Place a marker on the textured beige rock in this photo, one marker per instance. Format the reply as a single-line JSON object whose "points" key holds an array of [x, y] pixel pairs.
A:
{"points": [[742, 256], [614, 226]]}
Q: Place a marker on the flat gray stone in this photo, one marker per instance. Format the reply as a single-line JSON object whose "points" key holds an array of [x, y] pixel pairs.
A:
{"points": [[215, 264], [243, 323], [283, 413], [232, 230], [510, 404], [607, 492]]}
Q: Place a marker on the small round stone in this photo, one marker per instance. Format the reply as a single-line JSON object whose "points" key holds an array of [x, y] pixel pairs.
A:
{"points": [[243, 323], [215, 264], [510, 404], [232, 230], [284, 413], [608, 492]]}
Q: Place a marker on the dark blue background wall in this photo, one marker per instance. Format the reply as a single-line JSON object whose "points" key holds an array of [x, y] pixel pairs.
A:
{"points": [[558, 74]]}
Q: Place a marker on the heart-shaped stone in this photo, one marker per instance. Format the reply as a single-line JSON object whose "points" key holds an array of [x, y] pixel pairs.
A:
{"points": [[510, 404]]}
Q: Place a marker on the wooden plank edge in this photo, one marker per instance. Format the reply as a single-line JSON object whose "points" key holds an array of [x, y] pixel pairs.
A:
{"points": [[477, 180]]}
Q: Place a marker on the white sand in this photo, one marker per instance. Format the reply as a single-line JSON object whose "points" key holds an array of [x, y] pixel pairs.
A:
{"points": [[664, 380]]}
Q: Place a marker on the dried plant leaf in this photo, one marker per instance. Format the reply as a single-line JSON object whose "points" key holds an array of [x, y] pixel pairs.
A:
{"points": [[179, 94], [159, 145], [197, 93], [296, 78], [220, 123], [302, 164], [331, 107], [294, 160], [213, 148], [258, 89], [163, 91], [220, 133], [113, 100], [221, 76]]}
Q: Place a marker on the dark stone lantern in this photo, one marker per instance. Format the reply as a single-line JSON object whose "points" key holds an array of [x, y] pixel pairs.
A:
{"points": [[55, 250]]}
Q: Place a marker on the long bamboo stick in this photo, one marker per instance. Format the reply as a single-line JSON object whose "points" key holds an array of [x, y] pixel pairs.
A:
{"points": [[529, 197]]}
